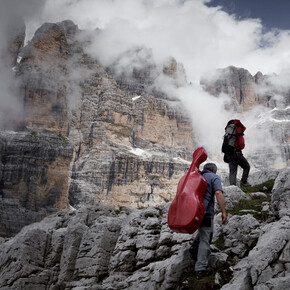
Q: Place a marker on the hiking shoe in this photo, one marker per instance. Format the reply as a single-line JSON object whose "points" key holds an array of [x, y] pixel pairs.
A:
{"points": [[201, 274], [245, 183]]}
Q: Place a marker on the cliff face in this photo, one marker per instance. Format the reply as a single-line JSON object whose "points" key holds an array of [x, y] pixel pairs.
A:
{"points": [[43, 71], [129, 140], [123, 143], [107, 120], [245, 90], [15, 41], [33, 178]]}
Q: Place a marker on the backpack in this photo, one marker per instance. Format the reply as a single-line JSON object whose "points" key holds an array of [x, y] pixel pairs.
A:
{"points": [[233, 139], [230, 138]]}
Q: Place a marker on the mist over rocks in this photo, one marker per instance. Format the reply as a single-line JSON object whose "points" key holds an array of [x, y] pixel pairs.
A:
{"points": [[270, 138], [106, 123], [132, 136], [137, 72], [245, 89], [128, 149]]}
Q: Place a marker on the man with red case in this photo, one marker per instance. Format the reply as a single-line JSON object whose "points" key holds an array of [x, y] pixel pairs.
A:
{"points": [[201, 244]]}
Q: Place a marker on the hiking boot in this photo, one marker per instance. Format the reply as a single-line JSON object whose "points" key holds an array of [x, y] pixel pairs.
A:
{"points": [[245, 184], [201, 274]]}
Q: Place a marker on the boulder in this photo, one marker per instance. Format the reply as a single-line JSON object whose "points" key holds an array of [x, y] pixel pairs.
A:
{"points": [[260, 266]]}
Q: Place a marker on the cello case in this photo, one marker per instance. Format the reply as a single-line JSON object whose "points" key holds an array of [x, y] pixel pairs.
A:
{"points": [[187, 210]]}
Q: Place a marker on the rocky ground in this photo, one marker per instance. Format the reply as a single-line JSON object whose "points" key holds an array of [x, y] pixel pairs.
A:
{"points": [[102, 248]]}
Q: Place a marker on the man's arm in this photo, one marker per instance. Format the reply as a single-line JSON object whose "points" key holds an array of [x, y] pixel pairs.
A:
{"points": [[221, 202]]}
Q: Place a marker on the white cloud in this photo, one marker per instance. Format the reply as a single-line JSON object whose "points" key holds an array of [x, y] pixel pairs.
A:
{"points": [[200, 37]]}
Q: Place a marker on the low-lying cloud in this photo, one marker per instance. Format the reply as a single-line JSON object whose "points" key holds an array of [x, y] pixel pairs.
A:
{"points": [[202, 38]]}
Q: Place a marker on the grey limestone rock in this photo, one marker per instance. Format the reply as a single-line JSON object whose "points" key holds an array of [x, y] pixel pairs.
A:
{"points": [[240, 234], [34, 173], [99, 247], [232, 196], [280, 202], [258, 177], [257, 195], [260, 266]]}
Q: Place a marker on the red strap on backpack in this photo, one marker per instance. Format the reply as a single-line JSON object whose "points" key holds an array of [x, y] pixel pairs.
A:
{"points": [[240, 142]]}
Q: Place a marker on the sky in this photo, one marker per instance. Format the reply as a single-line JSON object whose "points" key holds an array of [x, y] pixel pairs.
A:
{"points": [[274, 14], [203, 35]]}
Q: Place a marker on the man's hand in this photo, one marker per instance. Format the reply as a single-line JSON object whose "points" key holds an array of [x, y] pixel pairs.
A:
{"points": [[224, 218], [221, 202]]}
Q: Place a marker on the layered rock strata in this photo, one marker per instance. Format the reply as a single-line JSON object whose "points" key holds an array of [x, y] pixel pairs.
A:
{"points": [[43, 72], [34, 176], [108, 121], [128, 143]]}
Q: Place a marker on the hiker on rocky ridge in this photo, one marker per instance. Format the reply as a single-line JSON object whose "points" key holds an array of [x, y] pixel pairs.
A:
{"points": [[233, 145], [200, 249]]}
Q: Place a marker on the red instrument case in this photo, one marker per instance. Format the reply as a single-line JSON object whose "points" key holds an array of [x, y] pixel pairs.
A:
{"points": [[187, 210]]}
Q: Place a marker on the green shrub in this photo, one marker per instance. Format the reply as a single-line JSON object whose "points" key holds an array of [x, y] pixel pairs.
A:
{"points": [[260, 187]]}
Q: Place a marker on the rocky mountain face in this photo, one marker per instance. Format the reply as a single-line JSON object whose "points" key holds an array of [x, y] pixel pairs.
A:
{"points": [[277, 122], [129, 141], [43, 72], [34, 178], [101, 248], [15, 42], [245, 90]]}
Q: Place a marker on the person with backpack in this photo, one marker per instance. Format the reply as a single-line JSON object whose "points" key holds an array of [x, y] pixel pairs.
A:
{"points": [[232, 147], [200, 248]]}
